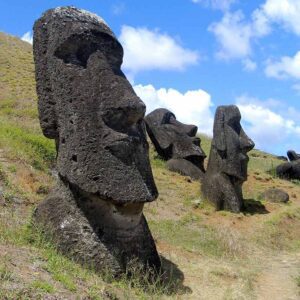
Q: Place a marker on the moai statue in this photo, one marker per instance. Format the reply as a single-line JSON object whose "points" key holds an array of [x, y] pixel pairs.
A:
{"points": [[95, 213], [289, 170], [292, 155], [176, 142], [228, 160]]}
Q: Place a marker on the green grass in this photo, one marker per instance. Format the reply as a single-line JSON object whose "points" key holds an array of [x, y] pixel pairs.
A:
{"points": [[67, 273], [37, 150], [205, 143], [5, 273], [199, 239], [298, 280], [43, 286], [277, 233]]}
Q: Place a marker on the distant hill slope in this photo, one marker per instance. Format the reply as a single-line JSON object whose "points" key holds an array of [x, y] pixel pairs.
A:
{"points": [[20, 133], [17, 85], [206, 254]]}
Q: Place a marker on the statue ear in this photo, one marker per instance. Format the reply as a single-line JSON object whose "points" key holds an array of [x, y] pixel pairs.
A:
{"points": [[219, 133], [46, 102]]}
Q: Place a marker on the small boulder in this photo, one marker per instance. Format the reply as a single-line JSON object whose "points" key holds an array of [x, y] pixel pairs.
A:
{"points": [[275, 195]]}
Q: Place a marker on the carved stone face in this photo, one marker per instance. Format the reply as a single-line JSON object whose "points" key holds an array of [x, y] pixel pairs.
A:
{"points": [[87, 105], [173, 139], [231, 142]]}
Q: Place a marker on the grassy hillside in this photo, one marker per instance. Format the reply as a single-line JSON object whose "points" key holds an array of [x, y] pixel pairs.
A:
{"points": [[206, 254]]}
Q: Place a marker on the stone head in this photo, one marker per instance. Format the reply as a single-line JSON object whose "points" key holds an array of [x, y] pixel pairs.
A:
{"points": [[173, 139], [88, 106], [231, 142]]}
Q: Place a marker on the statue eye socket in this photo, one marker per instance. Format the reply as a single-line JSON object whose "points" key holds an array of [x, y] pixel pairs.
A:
{"points": [[235, 124], [76, 50]]}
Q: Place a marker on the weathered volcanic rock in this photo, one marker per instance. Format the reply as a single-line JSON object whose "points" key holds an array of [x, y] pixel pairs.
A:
{"points": [[91, 111], [184, 167], [228, 160], [292, 155], [176, 141], [289, 170], [275, 195]]}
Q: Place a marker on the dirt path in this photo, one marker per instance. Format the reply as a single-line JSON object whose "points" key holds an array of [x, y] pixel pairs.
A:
{"points": [[277, 282]]}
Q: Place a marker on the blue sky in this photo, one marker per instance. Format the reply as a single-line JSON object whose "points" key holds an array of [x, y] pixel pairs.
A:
{"points": [[193, 55]]}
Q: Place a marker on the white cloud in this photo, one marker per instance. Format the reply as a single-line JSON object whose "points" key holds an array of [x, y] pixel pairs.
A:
{"points": [[260, 24], [233, 35], [270, 130], [27, 37], [286, 67], [249, 65], [151, 50], [192, 107], [272, 126], [285, 12], [216, 4]]}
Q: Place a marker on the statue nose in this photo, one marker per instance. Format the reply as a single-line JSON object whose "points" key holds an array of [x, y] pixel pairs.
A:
{"points": [[192, 130], [247, 144]]}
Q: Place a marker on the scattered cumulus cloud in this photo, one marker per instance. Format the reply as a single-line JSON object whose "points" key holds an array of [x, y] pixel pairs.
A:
{"points": [[249, 65], [235, 34], [286, 67], [271, 124], [271, 130], [192, 107], [151, 50], [284, 12], [216, 4], [27, 37]]}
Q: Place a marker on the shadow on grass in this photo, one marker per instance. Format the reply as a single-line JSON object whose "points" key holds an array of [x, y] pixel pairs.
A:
{"points": [[252, 207], [173, 279]]}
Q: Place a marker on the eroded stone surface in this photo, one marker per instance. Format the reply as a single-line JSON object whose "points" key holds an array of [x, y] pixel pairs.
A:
{"points": [[87, 105], [292, 155], [289, 170], [228, 160], [275, 195], [176, 142]]}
